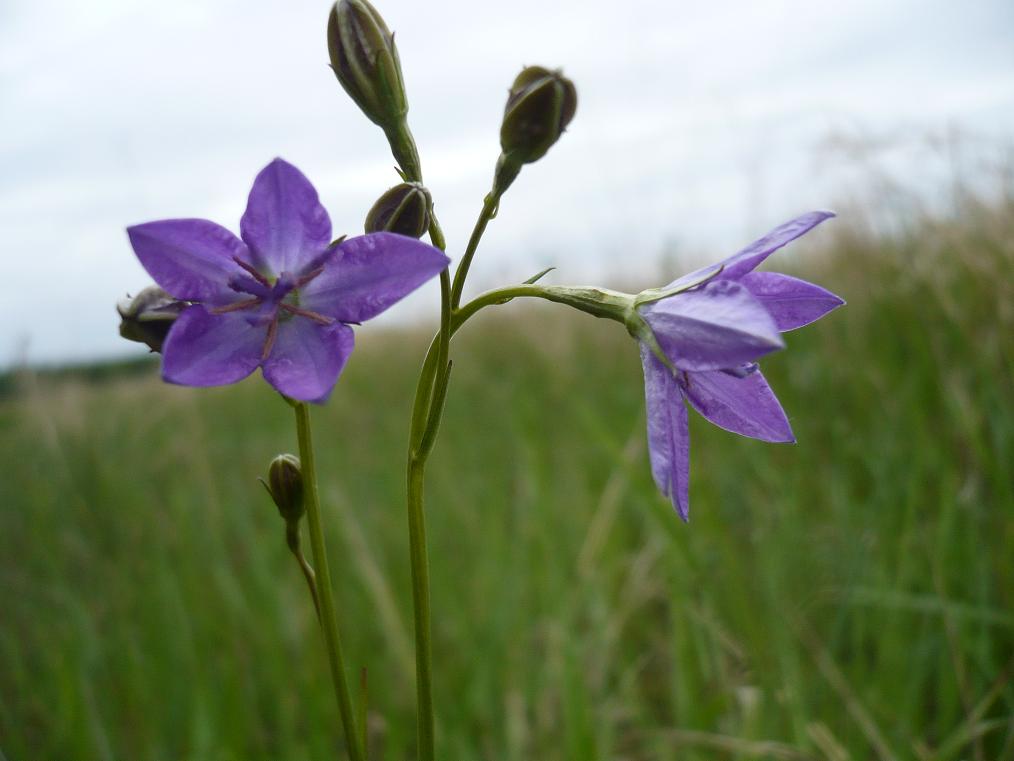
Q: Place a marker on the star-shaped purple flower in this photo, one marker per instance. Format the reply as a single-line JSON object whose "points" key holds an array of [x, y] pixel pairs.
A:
{"points": [[711, 335], [282, 297]]}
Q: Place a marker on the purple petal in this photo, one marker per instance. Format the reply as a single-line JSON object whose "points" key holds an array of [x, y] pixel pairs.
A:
{"points": [[745, 405], [284, 224], [792, 302], [370, 273], [204, 349], [307, 358], [668, 432], [747, 260], [192, 259], [719, 325]]}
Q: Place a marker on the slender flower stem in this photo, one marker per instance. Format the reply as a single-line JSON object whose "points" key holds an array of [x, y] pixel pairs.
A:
{"points": [[329, 621], [489, 207], [292, 540], [598, 302], [421, 606], [425, 416]]}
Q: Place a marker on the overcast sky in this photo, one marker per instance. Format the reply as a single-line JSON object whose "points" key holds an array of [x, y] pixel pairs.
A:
{"points": [[698, 127]]}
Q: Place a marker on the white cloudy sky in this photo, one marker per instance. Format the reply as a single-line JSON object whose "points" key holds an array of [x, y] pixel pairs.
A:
{"points": [[699, 126]]}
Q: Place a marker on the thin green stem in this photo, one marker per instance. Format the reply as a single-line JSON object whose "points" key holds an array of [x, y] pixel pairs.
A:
{"points": [[403, 147], [329, 620], [425, 416], [421, 605], [489, 207], [292, 540], [599, 302]]}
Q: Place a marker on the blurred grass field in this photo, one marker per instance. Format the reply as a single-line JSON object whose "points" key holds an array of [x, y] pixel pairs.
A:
{"points": [[850, 597]]}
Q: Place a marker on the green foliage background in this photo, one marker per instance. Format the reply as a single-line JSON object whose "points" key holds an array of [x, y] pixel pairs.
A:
{"points": [[846, 598]]}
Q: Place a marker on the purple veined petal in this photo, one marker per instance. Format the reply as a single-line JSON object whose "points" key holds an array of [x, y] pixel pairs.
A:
{"points": [[746, 406], [307, 358], [792, 302], [205, 349], [668, 432], [284, 224], [719, 325], [192, 259], [747, 260], [370, 273]]}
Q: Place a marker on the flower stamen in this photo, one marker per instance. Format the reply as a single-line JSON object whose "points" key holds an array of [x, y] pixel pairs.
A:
{"points": [[308, 277], [315, 316], [253, 271], [269, 341], [236, 306]]}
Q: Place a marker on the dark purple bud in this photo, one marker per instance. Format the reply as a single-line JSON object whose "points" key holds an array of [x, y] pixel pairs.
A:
{"points": [[404, 209], [285, 485], [147, 317], [365, 60], [540, 105]]}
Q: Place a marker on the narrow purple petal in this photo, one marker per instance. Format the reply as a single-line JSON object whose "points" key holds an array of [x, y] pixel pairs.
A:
{"points": [[745, 405], [204, 349], [792, 302], [285, 224], [192, 259], [370, 273], [747, 260], [668, 433], [719, 325], [307, 358]]}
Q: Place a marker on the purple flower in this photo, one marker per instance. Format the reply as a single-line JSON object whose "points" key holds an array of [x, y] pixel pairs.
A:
{"points": [[710, 336], [282, 297]]}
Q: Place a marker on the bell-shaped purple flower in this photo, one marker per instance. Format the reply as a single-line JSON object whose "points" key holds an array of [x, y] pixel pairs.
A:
{"points": [[710, 336], [280, 297]]}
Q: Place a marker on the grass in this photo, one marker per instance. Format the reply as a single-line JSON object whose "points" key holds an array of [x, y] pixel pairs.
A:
{"points": [[851, 597]]}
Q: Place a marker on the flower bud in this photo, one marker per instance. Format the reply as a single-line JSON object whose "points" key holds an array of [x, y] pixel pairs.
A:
{"points": [[147, 317], [403, 209], [540, 105], [365, 60], [285, 485]]}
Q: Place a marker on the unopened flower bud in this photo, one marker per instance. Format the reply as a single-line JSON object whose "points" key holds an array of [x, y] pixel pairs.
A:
{"points": [[147, 317], [285, 485], [365, 60], [540, 105], [403, 209]]}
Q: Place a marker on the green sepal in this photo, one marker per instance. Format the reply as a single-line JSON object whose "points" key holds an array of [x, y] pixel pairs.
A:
{"points": [[639, 328], [652, 295]]}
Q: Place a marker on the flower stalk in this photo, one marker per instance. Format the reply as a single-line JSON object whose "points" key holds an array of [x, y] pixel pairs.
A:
{"points": [[430, 392], [328, 614], [434, 377]]}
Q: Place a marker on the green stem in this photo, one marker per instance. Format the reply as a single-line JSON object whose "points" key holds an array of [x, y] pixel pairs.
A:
{"points": [[598, 302], [329, 621], [404, 150], [425, 415], [489, 207], [421, 605], [292, 539]]}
